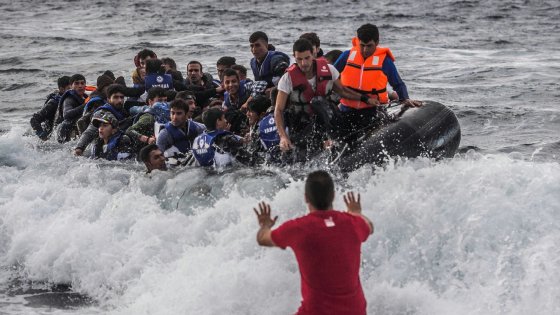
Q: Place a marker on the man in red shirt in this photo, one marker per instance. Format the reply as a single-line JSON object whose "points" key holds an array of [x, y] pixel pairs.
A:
{"points": [[327, 245]]}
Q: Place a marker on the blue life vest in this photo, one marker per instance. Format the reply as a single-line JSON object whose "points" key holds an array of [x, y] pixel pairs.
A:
{"points": [[264, 72], [119, 115], [182, 140], [91, 101], [112, 147], [268, 132], [55, 97], [242, 98], [159, 110], [161, 80], [67, 94], [204, 150]]}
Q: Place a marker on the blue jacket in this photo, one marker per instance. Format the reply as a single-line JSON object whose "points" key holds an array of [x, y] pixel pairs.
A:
{"points": [[266, 70], [241, 94], [183, 140]]}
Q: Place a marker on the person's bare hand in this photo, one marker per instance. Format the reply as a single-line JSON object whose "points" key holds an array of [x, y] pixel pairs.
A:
{"points": [[263, 215], [285, 144], [373, 101], [411, 103], [352, 203]]}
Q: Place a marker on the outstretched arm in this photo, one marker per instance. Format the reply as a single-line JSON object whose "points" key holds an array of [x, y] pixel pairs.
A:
{"points": [[353, 95], [281, 100], [266, 222], [355, 208]]}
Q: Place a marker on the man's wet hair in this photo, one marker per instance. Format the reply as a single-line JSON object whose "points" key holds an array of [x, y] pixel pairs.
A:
{"points": [[259, 104], [240, 68], [144, 53], [312, 38], [77, 77], [258, 35], [154, 66], [185, 95], [333, 55], [210, 117], [194, 62], [319, 190], [63, 81], [144, 154], [170, 94], [170, 62], [154, 92], [226, 61], [230, 72], [115, 88], [237, 121], [368, 32], [179, 104], [302, 45]]}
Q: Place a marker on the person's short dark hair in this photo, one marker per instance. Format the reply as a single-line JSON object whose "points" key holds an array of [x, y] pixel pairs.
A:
{"points": [[144, 53], [154, 66], [333, 55], [110, 74], [77, 77], [170, 62], [312, 38], [210, 117], [154, 92], [230, 72], [259, 104], [302, 45], [226, 61], [368, 32], [214, 102], [115, 88], [237, 121], [185, 95], [170, 94], [144, 154], [258, 35], [194, 62], [63, 81], [103, 81], [179, 104], [240, 68], [319, 190]]}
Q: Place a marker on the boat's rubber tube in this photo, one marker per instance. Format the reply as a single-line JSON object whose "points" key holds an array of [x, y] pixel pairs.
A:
{"points": [[431, 130]]}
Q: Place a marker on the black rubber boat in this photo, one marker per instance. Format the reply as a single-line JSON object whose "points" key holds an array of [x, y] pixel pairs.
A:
{"points": [[431, 130]]}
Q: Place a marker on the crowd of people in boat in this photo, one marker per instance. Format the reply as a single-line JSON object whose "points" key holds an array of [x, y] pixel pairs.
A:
{"points": [[287, 113]]}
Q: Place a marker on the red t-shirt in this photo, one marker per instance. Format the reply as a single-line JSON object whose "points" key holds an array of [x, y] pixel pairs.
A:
{"points": [[327, 248]]}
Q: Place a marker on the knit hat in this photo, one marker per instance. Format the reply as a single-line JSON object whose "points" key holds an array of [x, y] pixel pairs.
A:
{"points": [[103, 81]]}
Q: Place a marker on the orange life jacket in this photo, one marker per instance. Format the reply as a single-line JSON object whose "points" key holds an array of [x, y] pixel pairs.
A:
{"points": [[299, 81], [365, 76]]}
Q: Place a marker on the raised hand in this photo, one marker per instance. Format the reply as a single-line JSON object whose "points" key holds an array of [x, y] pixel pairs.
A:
{"points": [[263, 215], [352, 204]]}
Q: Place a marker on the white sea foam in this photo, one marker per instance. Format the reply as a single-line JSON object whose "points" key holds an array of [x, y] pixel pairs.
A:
{"points": [[473, 235]]}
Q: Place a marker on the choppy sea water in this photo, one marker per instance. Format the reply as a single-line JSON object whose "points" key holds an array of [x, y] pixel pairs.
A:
{"points": [[476, 234]]}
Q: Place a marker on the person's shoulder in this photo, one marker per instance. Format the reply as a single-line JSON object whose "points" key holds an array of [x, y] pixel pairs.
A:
{"points": [[334, 71], [146, 117]]}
